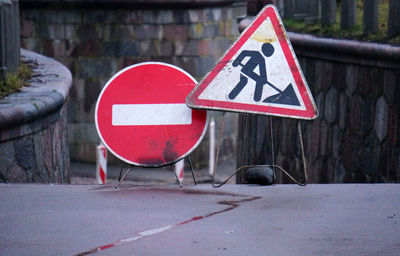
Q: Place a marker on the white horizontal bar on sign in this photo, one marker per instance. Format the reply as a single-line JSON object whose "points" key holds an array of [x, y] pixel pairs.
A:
{"points": [[151, 114]]}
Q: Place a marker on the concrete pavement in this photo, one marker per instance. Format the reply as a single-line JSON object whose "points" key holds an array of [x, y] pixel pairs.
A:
{"points": [[339, 219]]}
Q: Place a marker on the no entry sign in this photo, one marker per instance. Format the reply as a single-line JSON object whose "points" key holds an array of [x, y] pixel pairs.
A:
{"points": [[141, 115]]}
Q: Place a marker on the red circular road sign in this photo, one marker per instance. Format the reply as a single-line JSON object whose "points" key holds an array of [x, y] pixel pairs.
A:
{"points": [[141, 115]]}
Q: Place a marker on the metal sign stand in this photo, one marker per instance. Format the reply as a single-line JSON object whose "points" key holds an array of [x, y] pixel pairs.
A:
{"points": [[130, 168], [121, 178], [245, 167], [240, 169], [189, 158]]}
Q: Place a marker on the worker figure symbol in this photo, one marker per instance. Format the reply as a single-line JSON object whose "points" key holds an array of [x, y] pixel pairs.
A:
{"points": [[256, 59]]}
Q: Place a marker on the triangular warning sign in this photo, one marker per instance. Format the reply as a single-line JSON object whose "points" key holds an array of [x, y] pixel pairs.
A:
{"points": [[259, 74]]}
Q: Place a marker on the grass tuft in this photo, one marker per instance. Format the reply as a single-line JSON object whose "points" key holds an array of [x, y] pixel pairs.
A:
{"points": [[14, 81], [355, 33]]}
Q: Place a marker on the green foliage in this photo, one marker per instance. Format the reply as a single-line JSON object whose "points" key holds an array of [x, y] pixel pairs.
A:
{"points": [[25, 72], [12, 82], [355, 33]]}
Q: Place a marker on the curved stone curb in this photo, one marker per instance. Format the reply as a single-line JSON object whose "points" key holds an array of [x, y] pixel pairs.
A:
{"points": [[36, 106], [33, 125], [351, 51], [127, 3], [342, 50]]}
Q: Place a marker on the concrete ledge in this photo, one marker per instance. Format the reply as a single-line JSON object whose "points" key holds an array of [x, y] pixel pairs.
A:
{"points": [[124, 3], [341, 50], [35, 107], [357, 52]]}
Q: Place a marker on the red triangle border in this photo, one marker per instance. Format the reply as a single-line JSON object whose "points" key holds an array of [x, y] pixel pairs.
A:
{"points": [[310, 111]]}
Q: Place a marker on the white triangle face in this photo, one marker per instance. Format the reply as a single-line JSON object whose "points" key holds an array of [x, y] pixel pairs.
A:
{"points": [[237, 81]]}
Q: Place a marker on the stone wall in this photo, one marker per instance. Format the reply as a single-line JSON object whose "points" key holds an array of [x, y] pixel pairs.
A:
{"points": [[33, 125], [356, 87], [356, 137], [95, 40]]}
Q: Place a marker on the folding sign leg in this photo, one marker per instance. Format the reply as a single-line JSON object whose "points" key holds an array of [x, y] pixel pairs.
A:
{"points": [[120, 173], [192, 169], [266, 178], [273, 166], [240, 169], [245, 167], [302, 154], [176, 176], [120, 179], [217, 153], [246, 121], [272, 148]]}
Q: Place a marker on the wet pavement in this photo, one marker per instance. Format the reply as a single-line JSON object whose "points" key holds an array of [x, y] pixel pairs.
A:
{"points": [[337, 219]]}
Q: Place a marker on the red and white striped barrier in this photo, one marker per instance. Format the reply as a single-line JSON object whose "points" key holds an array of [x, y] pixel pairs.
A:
{"points": [[179, 166], [101, 164]]}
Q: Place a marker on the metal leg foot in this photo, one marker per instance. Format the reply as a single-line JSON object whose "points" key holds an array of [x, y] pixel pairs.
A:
{"points": [[176, 176], [192, 169], [217, 153], [123, 177]]}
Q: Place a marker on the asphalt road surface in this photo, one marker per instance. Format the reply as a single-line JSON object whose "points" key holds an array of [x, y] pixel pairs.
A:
{"points": [[340, 219]]}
